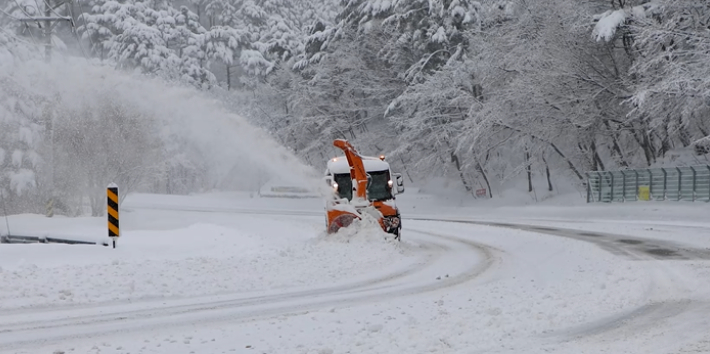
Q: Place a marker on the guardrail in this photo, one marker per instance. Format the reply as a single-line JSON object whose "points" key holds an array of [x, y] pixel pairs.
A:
{"points": [[46, 239], [675, 183]]}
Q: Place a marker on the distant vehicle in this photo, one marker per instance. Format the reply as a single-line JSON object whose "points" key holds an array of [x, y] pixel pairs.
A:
{"points": [[362, 184], [280, 188]]}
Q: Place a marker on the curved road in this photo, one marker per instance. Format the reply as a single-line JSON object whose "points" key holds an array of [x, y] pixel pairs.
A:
{"points": [[447, 255]]}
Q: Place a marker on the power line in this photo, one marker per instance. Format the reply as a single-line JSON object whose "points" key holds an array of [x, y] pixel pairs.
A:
{"points": [[10, 15], [27, 27], [32, 35], [81, 9], [47, 19], [23, 9]]}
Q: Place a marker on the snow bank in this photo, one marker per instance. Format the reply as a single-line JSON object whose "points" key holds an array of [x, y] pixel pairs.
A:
{"points": [[362, 231], [173, 253]]}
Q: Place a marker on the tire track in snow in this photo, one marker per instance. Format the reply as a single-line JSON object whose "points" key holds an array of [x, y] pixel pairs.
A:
{"points": [[635, 248], [38, 318], [653, 317], [40, 327]]}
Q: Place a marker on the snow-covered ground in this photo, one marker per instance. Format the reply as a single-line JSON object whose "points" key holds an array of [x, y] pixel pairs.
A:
{"points": [[235, 273]]}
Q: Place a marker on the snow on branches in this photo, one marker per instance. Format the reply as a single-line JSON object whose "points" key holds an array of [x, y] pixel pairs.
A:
{"points": [[609, 21], [159, 39], [672, 78]]}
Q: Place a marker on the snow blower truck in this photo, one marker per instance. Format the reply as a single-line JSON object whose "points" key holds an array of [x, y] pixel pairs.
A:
{"points": [[362, 185]]}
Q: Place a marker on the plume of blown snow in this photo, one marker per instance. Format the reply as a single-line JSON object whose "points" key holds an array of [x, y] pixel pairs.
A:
{"points": [[229, 146]]}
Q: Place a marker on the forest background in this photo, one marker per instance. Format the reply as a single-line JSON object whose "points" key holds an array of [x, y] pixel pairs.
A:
{"points": [[491, 94]]}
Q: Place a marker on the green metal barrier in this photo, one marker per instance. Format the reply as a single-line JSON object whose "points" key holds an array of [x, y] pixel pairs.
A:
{"points": [[674, 183]]}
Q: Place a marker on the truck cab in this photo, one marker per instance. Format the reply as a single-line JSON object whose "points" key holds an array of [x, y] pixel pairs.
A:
{"points": [[381, 188]]}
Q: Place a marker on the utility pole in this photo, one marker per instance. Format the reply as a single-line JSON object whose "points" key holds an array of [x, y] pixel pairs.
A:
{"points": [[47, 32], [48, 19]]}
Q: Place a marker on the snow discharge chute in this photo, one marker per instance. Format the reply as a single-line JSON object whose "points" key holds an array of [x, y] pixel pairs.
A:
{"points": [[362, 187], [357, 168]]}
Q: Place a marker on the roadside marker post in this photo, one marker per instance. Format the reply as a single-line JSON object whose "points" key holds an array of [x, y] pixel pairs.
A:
{"points": [[50, 208], [112, 211]]}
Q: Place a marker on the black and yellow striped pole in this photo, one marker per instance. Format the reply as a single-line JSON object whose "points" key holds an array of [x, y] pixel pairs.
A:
{"points": [[50, 207], [113, 230]]}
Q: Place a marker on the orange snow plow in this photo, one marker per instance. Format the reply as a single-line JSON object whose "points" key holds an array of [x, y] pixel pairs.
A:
{"points": [[362, 185]]}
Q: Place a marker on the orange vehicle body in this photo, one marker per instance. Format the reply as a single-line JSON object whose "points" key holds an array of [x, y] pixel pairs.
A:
{"points": [[361, 185]]}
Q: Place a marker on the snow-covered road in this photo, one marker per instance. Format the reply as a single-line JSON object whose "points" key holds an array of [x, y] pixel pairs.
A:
{"points": [[190, 278], [453, 259]]}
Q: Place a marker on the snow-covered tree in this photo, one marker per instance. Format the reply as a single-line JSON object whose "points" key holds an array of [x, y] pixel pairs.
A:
{"points": [[104, 141], [190, 43], [342, 97], [429, 116], [222, 12], [483, 91], [104, 22], [21, 141], [422, 34], [199, 6], [542, 79], [151, 36], [288, 24], [672, 86]]}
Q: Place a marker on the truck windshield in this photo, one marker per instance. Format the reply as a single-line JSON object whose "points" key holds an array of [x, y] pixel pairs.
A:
{"points": [[345, 185], [378, 189]]}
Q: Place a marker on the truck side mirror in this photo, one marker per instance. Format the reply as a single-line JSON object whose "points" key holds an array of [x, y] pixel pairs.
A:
{"points": [[399, 181]]}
